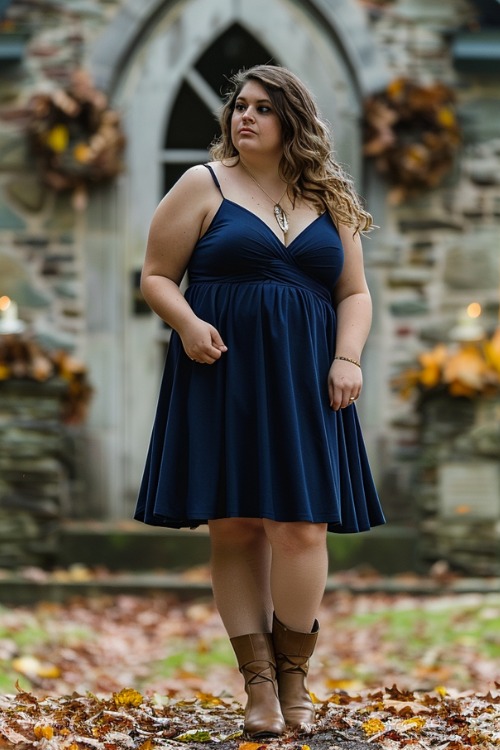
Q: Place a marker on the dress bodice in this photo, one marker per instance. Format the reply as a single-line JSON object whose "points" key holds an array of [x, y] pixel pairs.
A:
{"points": [[239, 246]]}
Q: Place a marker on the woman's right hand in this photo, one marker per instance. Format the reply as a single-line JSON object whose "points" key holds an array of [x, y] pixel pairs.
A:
{"points": [[202, 342]]}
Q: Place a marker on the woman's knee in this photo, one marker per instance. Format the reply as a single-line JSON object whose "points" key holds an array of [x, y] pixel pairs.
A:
{"points": [[295, 537]]}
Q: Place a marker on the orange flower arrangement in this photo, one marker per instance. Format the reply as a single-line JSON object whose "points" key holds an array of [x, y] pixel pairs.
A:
{"points": [[468, 370]]}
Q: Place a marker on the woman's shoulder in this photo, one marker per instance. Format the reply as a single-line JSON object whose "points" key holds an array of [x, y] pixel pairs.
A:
{"points": [[194, 184], [196, 176], [201, 176]]}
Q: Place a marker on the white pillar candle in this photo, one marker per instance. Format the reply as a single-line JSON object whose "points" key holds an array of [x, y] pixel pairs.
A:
{"points": [[8, 310], [9, 316]]}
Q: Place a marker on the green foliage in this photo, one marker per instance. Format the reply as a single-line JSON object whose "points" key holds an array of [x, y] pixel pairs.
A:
{"points": [[198, 659], [449, 627], [342, 549]]}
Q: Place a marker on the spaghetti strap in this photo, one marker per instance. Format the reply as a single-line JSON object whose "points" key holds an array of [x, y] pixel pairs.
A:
{"points": [[214, 177]]}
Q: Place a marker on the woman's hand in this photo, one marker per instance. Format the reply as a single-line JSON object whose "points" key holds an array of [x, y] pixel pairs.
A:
{"points": [[345, 381], [202, 342]]}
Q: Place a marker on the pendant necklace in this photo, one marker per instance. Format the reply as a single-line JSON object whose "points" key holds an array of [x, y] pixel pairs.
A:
{"points": [[279, 213]]}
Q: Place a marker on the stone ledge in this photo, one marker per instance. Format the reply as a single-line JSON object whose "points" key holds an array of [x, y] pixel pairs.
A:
{"points": [[15, 589], [122, 545]]}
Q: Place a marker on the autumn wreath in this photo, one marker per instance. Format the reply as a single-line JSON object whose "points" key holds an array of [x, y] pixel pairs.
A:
{"points": [[412, 133], [76, 136], [23, 358]]}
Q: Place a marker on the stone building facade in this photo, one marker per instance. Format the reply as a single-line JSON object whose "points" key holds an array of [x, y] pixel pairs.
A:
{"points": [[161, 61]]}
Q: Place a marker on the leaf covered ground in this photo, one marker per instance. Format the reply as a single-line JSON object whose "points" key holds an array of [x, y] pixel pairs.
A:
{"points": [[390, 672]]}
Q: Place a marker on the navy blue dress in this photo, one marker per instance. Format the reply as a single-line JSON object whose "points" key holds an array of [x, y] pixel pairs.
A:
{"points": [[253, 435]]}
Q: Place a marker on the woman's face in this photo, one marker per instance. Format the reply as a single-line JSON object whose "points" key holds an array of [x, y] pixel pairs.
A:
{"points": [[255, 126]]}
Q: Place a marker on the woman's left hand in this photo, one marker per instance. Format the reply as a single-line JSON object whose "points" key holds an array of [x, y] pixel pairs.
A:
{"points": [[345, 381]]}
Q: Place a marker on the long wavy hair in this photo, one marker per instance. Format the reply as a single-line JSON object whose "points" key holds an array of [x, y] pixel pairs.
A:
{"points": [[307, 165]]}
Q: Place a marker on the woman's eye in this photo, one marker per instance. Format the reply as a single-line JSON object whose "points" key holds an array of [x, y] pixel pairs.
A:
{"points": [[263, 108]]}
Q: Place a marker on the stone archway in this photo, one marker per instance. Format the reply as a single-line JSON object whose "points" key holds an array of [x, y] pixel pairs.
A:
{"points": [[342, 20], [142, 59]]}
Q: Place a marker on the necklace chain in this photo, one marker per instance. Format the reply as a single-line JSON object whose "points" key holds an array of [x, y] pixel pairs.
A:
{"points": [[279, 212]]}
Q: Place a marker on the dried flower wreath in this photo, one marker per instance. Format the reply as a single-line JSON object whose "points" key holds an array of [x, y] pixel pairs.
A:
{"points": [[23, 358], [76, 137], [412, 133]]}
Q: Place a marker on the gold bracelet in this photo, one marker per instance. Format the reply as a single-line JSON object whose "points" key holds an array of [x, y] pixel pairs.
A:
{"points": [[348, 359]]}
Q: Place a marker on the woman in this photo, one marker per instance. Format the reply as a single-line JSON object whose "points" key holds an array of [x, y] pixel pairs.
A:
{"points": [[256, 431]]}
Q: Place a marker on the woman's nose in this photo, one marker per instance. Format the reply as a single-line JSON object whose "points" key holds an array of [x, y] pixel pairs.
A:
{"points": [[247, 114]]}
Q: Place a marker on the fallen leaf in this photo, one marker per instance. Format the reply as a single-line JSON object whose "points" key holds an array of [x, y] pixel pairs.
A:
{"points": [[405, 707], [128, 697], [30, 666], [373, 726], [45, 733], [416, 722], [194, 735]]}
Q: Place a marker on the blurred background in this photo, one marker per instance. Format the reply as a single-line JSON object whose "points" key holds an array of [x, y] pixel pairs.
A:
{"points": [[103, 104]]}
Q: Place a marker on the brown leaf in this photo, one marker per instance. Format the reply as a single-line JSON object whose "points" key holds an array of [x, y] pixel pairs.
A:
{"points": [[405, 708]]}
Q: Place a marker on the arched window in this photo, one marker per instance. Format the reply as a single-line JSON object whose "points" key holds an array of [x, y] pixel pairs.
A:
{"points": [[193, 120]]}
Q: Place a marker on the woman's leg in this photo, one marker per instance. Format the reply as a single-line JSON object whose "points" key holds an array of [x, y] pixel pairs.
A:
{"points": [[240, 565], [298, 577], [298, 571], [240, 568]]}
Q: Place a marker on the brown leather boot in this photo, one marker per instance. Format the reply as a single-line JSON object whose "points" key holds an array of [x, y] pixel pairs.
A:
{"points": [[255, 655], [293, 651]]}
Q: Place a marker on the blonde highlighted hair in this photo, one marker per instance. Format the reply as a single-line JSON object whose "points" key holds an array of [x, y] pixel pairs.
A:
{"points": [[307, 165]]}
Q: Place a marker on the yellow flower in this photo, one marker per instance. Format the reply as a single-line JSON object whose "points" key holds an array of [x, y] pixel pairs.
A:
{"points": [[4, 372], [466, 370], [492, 351], [432, 363], [446, 117], [82, 153], [396, 88], [57, 139]]}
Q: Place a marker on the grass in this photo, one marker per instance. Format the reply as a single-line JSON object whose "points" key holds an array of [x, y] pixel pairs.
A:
{"points": [[425, 628], [197, 658], [29, 633], [432, 644]]}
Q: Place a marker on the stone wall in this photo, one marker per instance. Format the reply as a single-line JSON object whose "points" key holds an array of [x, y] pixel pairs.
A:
{"points": [[38, 471], [42, 268], [41, 258], [437, 254], [432, 256]]}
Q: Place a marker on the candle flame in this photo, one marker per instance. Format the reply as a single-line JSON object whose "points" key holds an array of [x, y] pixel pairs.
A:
{"points": [[474, 310], [5, 303]]}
